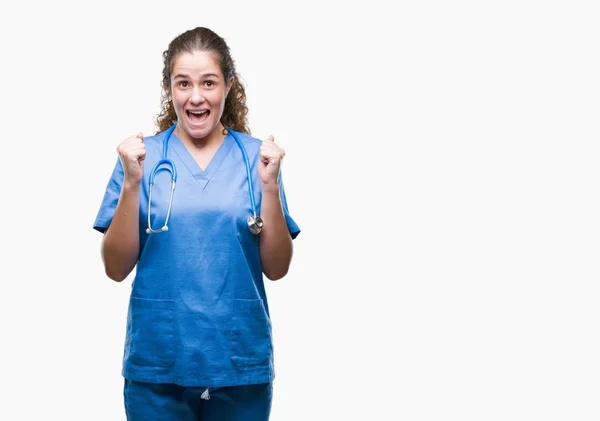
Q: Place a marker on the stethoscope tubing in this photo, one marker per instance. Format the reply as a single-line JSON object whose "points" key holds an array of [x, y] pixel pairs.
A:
{"points": [[255, 223]]}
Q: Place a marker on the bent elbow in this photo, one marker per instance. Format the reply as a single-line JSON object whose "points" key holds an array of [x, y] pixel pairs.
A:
{"points": [[275, 275], [115, 275]]}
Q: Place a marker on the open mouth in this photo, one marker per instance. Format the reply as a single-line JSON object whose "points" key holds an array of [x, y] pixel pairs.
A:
{"points": [[197, 117]]}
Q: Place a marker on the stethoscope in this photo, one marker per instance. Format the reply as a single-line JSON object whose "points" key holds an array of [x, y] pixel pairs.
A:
{"points": [[255, 223]]}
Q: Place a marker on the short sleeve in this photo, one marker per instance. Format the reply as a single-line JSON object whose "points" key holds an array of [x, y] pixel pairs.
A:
{"points": [[292, 225], [111, 198]]}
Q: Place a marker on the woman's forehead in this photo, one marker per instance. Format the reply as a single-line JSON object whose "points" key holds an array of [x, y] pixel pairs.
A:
{"points": [[196, 63]]}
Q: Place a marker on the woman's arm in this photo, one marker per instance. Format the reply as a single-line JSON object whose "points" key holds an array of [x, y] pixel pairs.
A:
{"points": [[275, 241], [121, 242]]}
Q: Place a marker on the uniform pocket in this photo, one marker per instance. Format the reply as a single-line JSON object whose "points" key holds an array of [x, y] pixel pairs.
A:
{"points": [[150, 334], [251, 336]]}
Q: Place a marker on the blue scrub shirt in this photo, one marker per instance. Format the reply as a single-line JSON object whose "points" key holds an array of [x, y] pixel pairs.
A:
{"points": [[198, 312]]}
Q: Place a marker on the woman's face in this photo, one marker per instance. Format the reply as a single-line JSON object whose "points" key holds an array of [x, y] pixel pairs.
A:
{"points": [[198, 91]]}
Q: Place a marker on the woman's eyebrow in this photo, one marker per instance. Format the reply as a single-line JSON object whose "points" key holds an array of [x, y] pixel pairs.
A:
{"points": [[185, 76]]}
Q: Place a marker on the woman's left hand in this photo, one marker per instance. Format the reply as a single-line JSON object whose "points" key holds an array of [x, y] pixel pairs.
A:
{"points": [[271, 155]]}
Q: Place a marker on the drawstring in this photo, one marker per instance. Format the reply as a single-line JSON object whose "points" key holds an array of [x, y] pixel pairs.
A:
{"points": [[205, 395]]}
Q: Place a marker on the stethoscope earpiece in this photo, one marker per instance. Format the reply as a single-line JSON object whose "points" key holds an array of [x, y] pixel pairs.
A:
{"points": [[151, 231]]}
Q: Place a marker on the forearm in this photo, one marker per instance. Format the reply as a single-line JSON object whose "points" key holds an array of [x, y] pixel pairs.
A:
{"points": [[121, 243], [275, 242]]}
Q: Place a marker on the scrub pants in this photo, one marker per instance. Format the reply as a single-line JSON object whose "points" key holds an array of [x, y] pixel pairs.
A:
{"points": [[171, 402]]}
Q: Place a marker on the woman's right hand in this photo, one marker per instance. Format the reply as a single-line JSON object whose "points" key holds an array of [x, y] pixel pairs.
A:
{"points": [[132, 153]]}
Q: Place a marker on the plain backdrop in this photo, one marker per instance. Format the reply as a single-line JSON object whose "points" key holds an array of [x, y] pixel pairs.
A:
{"points": [[442, 162]]}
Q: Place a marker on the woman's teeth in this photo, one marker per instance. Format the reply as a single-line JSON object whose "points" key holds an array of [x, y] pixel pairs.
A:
{"points": [[197, 115]]}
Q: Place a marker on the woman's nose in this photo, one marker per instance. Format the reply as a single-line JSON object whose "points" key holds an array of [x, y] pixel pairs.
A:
{"points": [[197, 96]]}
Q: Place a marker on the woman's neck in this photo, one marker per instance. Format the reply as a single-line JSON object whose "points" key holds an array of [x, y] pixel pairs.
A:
{"points": [[213, 140]]}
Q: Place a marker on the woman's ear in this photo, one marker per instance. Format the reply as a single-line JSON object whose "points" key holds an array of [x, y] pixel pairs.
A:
{"points": [[229, 85]]}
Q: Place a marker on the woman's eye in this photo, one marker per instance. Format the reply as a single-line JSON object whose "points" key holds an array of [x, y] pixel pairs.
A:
{"points": [[183, 84], [209, 83]]}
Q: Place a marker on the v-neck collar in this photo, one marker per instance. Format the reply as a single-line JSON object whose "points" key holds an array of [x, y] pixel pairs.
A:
{"points": [[202, 176]]}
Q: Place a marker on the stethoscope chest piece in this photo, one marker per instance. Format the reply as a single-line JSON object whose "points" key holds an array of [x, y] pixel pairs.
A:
{"points": [[255, 224]]}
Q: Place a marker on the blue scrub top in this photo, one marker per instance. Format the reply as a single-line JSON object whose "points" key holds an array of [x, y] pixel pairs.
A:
{"points": [[198, 312]]}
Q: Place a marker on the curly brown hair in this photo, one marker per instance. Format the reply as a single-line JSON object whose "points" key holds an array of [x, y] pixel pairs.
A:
{"points": [[235, 113]]}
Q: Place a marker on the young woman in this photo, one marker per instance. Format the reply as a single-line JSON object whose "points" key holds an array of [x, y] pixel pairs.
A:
{"points": [[200, 211]]}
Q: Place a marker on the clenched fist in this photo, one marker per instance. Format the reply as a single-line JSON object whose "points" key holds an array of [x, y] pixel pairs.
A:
{"points": [[271, 155], [132, 153]]}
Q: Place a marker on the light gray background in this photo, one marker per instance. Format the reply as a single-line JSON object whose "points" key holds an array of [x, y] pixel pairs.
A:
{"points": [[442, 161]]}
